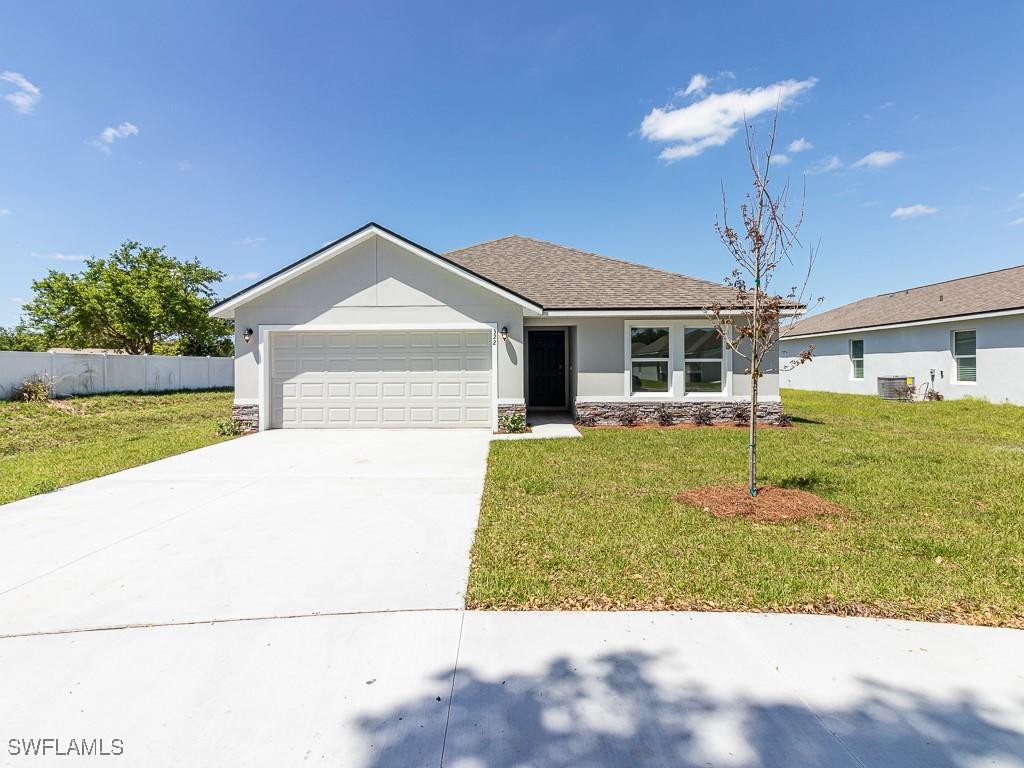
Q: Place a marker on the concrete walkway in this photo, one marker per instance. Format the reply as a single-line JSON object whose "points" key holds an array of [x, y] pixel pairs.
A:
{"points": [[305, 591], [542, 689]]}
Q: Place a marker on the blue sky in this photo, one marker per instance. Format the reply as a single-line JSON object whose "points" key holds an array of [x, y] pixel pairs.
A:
{"points": [[248, 134]]}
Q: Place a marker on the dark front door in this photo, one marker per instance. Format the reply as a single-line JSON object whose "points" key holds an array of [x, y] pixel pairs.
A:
{"points": [[546, 369]]}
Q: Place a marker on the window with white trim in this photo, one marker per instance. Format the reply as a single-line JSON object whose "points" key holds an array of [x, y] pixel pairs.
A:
{"points": [[965, 353], [649, 360], [703, 357], [857, 358]]}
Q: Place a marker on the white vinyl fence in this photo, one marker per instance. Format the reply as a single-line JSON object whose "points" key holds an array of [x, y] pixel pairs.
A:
{"points": [[86, 373]]}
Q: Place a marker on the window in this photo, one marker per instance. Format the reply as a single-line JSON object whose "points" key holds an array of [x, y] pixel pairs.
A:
{"points": [[649, 359], [703, 363], [857, 357], [965, 352]]}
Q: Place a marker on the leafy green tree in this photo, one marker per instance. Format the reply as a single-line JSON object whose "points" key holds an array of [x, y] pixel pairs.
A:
{"points": [[139, 300], [19, 338]]}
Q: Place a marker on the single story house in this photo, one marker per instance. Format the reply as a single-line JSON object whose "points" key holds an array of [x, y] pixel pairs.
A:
{"points": [[376, 331], [963, 338]]}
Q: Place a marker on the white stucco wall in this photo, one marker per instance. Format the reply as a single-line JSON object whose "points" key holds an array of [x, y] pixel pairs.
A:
{"points": [[377, 281], [601, 357], [917, 351]]}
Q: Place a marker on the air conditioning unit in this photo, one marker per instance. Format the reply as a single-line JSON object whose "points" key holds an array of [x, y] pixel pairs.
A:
{"points": [[896, 387]]}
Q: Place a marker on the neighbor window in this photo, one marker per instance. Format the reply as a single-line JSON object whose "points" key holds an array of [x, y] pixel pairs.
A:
{"points": [[648, 357], [703, 363], [965, 352], [857, 357]]}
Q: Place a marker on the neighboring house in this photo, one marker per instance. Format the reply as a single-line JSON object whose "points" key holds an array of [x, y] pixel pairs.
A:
{"points": [[375, 331], [964, 338]]}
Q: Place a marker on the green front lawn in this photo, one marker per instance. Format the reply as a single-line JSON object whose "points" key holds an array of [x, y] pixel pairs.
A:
{"points": [[44, 446], [934, 530]]}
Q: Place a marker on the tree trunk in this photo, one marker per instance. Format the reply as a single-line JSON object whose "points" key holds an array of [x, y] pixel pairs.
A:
{"points": [[752, 479], [755, 370]]}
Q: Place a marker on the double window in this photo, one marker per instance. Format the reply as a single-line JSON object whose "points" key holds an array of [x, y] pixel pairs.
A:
{"points": [[965, 353], [857, 358], [650, 360]]}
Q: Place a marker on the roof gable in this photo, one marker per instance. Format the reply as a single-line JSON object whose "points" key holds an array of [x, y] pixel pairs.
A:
{"points": [[996, 291], [226, 307]]}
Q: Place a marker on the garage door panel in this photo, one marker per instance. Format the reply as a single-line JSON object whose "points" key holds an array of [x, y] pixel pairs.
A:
{"points": [[381, 379], [339, 389], [421, 390]]}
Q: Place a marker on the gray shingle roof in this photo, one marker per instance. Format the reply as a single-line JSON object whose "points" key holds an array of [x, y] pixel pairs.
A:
{"points": [[557, 277], [988, 292]]}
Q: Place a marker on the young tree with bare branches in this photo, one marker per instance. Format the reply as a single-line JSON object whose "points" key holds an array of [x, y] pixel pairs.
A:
{"points": [[750, 324]]}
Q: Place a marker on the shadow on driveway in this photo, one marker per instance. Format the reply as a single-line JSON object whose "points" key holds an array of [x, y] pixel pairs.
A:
{"points": [[618, 714]]}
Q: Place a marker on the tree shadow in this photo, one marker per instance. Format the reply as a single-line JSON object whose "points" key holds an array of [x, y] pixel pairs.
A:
{"points": [[618, 710], [804, 420], [812, 482]]}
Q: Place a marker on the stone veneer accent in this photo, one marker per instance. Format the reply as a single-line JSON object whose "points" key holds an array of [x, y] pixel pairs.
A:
{"points": [[246, 416], [676, 412], [509, 409]]}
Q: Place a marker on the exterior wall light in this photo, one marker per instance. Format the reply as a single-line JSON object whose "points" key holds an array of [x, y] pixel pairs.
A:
{"points": [[504, 333], [247, 335]]}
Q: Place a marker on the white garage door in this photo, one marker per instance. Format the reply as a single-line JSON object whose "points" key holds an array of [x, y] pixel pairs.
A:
{"points": [[346, 379]]}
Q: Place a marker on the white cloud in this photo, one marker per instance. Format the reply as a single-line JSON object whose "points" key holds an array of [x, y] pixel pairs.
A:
{"points": [[1017, 222], [245, 276], [109, 135], [251, 241], [698, 84], [826, 165], [799, 145], [57, 256], [5, 211], [781, 159], [878, 159], [712, 121], [27, 95], [913, 211]]}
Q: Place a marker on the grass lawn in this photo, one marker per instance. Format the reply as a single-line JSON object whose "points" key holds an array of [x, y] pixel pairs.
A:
{"points": [[44, 446], [934, 528]]}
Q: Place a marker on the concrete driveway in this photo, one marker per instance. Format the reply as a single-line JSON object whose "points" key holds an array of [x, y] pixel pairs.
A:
{"points": [[276, 524], [294, 598]]}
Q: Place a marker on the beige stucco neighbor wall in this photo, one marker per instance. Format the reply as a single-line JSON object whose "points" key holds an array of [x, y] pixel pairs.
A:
{"points": [[601, 357], [377, 282]]}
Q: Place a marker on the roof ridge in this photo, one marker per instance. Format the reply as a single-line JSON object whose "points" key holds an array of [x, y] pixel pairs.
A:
{"points": [[597, 256], [937, 282]]}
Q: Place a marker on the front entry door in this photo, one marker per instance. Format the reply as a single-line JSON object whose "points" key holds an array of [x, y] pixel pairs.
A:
{"points": [[546, 369]]}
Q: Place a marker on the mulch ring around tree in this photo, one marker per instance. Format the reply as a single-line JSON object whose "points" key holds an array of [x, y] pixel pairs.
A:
{"points": [[771, 505]]}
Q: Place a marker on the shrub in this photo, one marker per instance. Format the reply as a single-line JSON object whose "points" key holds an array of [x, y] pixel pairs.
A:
{"points": [[587, 420], [513, 422], [741, 414], [701, 415], [229, 427], [36, 388], [664, 417], [628, 418], [931, 394]]}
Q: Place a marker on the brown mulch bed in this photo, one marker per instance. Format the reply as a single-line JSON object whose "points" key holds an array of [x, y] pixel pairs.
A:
{"points": [[771, 505], [686, 425]]}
